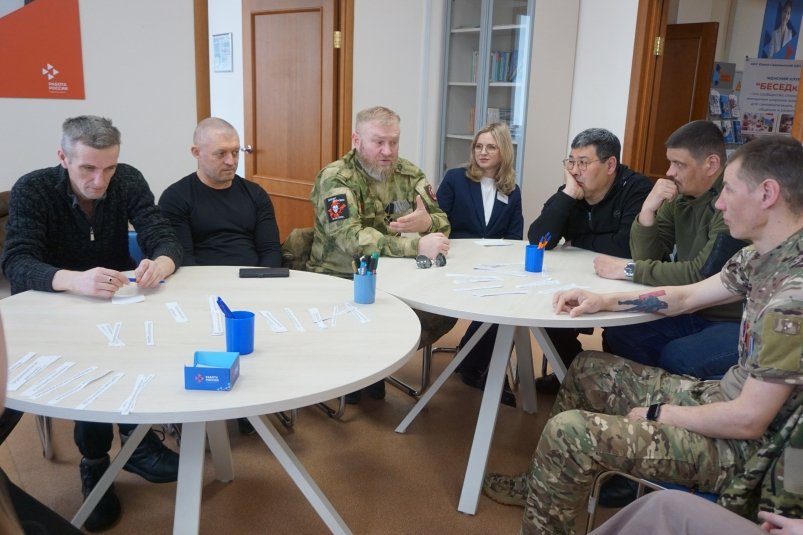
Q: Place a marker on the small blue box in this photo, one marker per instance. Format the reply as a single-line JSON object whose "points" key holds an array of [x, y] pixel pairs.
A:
{"points": [[212, 370]]}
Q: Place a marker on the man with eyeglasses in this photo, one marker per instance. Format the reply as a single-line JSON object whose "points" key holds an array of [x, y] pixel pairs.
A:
{"points": [[594, 210], [373, 201]]}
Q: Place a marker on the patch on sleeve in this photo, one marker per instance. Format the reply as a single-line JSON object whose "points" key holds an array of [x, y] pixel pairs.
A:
{"points": [[431, 193], [337, 208], [787, 325], [781, 342]]}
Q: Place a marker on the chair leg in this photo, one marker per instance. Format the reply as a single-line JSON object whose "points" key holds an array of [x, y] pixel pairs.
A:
{"points": [[287, 419], [334, 413], [596, 488], [426, 370], [44, 427]]}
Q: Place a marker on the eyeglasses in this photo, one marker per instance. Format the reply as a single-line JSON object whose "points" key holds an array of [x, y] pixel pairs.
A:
{"points": [[582, 165], [490, 149], [425, 262]]}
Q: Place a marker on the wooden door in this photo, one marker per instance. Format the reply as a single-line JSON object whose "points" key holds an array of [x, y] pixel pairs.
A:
{"points": [[680, 92], [297, 98]]}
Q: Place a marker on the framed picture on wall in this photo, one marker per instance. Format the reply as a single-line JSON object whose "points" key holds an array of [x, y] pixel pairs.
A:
{"points": [[222, 52]]}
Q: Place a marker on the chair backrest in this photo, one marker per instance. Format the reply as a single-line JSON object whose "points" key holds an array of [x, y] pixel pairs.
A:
{"points": [[133, 247], [296, 248]]}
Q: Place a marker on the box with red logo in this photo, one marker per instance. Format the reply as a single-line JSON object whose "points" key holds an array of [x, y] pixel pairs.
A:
{"points": [[212, 370]]}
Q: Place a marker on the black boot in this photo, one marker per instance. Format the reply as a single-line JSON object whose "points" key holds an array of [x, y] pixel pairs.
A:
{"points": [[107, 511], [245, 427], [618, 491], [376, 390], [548, 384], [152, 460]]}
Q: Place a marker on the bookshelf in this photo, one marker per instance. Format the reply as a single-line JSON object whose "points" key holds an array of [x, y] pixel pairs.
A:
{"points": [[487, 69]]}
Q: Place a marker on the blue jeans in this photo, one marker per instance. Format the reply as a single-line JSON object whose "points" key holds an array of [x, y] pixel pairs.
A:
{"points": [[686, 345]]}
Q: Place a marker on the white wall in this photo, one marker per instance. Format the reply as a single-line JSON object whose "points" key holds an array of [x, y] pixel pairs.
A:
{"points": [[226, 88], [604, 56], [139, 71], [549, 102], [398, 63], [580, 78]]}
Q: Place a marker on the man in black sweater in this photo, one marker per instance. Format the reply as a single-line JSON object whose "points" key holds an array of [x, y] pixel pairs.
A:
{"points": [[68, 232], [220, 218], [594, 210]]}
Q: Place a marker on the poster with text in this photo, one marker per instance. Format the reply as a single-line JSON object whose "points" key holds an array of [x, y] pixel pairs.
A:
{"points": [[41, 42], [769, 91], [781, 28]]}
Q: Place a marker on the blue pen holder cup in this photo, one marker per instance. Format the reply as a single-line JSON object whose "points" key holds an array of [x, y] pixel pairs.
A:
{"points": [[365, 288], [533, 259], [240, 332]]}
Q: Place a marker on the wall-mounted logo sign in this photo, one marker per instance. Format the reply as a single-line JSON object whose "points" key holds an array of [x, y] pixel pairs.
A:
{"points": [[42, 51]]}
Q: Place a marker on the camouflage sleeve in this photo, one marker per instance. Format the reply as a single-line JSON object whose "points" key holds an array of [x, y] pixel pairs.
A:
{"points": [[344, 216], [772, 329], [440, 221], [733, 275], [777, 335]]}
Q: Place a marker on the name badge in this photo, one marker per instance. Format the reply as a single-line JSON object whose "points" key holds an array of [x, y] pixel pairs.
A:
{"points": [[502, 197]]}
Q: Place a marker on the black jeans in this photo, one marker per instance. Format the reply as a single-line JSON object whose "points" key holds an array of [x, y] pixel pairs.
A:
{"points": [[94, 439]]}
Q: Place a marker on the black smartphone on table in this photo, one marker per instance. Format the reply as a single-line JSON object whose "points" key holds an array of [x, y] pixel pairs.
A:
{"points": [[263, 272]]}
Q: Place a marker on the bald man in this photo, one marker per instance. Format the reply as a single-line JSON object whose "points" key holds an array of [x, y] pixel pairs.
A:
{"points": [[220, 218]]}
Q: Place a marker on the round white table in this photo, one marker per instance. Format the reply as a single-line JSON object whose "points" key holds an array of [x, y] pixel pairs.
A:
{"points": [[484, 280], [287, 370]]}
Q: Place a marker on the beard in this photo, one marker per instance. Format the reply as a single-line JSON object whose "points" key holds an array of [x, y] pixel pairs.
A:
{"points": [[374, 170]]}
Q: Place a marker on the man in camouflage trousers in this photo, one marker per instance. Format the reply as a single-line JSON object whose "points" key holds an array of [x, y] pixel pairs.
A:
{"points": [[366, 200], [613, 414]]}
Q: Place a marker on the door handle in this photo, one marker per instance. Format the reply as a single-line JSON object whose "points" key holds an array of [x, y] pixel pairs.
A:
{"points": [[248, 148]]}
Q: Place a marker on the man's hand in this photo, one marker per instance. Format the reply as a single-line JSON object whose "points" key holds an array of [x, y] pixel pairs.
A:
{"points": [[780, 525], [150, 273], [664, 190], [572, 188], [576, 302], [610, 267], [96, 282], [432, 244], [417, 221]]}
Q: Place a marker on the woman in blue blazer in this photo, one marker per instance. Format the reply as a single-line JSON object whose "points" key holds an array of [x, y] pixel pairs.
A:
{"points": [[482, 200]]}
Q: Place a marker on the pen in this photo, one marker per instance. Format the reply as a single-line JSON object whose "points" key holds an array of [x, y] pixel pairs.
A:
{"points": [[134, 279], [374, 261], [224, 308]]}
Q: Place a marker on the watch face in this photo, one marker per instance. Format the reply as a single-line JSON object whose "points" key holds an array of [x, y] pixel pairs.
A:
{"points": [[630, 269]]}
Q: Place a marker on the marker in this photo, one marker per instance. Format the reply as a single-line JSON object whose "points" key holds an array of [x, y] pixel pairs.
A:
{"points": [[374, 261], [134, 279], [224, 308]]}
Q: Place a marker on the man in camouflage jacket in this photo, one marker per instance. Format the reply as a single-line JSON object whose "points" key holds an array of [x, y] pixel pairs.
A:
{"points": [[363, 204], [614, 414], [366, 200]]}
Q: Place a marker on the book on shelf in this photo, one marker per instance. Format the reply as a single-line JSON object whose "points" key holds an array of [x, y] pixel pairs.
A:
{"points": [[498, 115], [503, 66]]}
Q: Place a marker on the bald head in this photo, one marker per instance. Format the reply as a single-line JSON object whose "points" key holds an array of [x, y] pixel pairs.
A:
{"points": [[216, 146], [212, 127]]}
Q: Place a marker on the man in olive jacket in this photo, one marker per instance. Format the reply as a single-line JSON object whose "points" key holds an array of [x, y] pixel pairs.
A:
{"points": [[679, 238]]}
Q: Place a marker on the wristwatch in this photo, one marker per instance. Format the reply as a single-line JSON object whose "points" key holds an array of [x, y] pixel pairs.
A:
{"points": [[654, 411], [630, 270]]}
